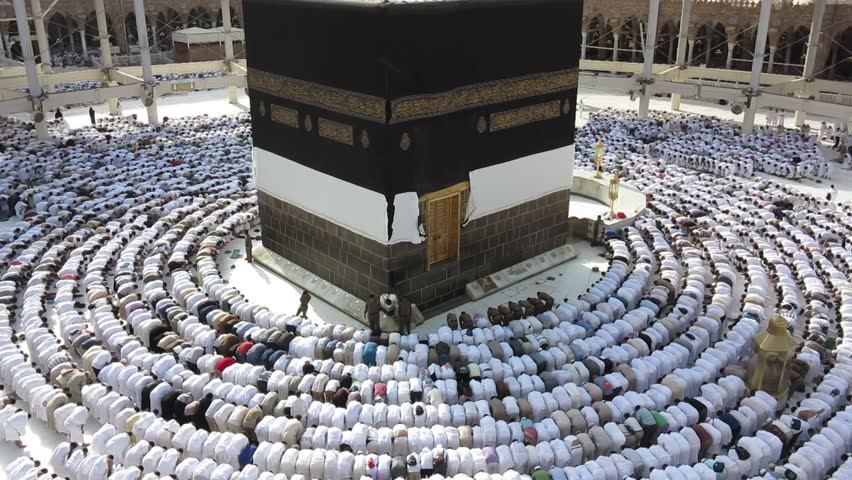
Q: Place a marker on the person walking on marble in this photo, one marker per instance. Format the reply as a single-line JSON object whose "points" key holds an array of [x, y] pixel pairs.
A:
{"points": [[249, 257], [303, 304]]}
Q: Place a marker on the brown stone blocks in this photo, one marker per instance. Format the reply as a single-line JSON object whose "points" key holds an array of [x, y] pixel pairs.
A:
{"points": [[362, 266]]}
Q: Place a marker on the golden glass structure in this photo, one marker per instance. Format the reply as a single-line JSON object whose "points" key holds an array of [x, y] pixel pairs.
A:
{"points": [[614, 184], [770, 362], [599, 154]]}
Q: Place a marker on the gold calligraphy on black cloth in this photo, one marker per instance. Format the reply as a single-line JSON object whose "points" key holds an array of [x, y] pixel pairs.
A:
{"points": [[372, 108]]}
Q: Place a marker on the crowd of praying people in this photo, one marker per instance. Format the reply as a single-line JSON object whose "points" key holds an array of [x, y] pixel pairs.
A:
{"points": [[706, 144], [77, 86], [189, 75], [114, 311]]}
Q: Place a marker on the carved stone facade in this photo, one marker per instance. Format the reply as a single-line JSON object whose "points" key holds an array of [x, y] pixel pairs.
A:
{"points": [[612, 30]]}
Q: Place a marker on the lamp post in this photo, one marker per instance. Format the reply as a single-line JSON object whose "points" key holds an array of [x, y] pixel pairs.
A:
{"points": [[614, 184], [599, 154], [769, 365]]}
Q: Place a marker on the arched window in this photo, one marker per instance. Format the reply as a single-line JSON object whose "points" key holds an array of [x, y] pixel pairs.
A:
{"points": [[235, 19], [711, 46], [667, 44], [839, 66], [630, 41], [199, 17], [167, 22], [790, 54], [92, 36], [131, 32], [59, 32], [599, 35]]}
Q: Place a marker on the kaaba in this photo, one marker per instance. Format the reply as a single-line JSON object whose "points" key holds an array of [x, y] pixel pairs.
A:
{"points": [[412, 147]]}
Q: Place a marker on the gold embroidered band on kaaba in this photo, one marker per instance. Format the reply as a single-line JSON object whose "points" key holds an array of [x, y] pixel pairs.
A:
{"points": [[354, 104], [415, 107], [285, 116], [424, 106], [338, 132], [524, 115]]}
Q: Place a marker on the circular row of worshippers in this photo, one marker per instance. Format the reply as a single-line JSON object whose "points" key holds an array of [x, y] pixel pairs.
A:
{"points": [[701, 143], [626, 343], [81, 85]]}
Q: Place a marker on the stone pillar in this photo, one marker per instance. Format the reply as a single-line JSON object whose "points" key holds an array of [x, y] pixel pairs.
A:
{"points": [[671, 51], [145, 54], [757, 65], [708, 40], [106, 52], [73, 43], [8, 42], [771, 66], [121, 37], [682, 45], [229, 46], [812, 53], [41, 35], [691, 50], [583, 36], [816, 48], [787, 55], [615, 38], [648, 64], [30, 67], [84, 46], [730, 60], [155, 37]]}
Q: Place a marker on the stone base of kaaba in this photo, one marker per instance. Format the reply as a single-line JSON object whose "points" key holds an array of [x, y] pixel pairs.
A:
{"points": [[360, 266], [318, 287]]}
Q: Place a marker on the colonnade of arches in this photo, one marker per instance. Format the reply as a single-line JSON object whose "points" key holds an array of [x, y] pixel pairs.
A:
{"points": [[63, 30], [715, 46]]}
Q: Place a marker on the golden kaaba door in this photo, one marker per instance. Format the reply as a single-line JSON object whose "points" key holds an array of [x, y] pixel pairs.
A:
{"points": [[444, 227]]}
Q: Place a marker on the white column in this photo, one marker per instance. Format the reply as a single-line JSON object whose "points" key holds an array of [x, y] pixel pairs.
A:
{"points": [[84, 46], [103, 34], [671, 51], [691, 51], [106, 51], [757, 64], [615, 37], [707, 49], [730, 60], [145, 54], [787, 55], [155, 35], [583, 45], [813, 51], [41, 35], [30, 66], [229, 46], [771, 66], [2, 46], [8, 42], [682, 44], [648, 57]]}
